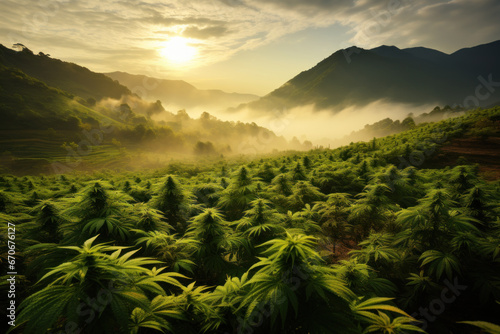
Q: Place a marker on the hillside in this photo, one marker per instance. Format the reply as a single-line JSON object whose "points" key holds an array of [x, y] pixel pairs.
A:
{"points": [[30, 104], [69, 77], [50, 130], [180, 94], [356, 77], [388, 126]]}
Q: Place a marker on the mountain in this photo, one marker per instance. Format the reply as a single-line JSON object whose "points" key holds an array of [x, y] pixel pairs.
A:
{"points": [[69, 77], [30, 104], [357, 77], [39, 92], [179, 94], [426, 53], [482, 59]]}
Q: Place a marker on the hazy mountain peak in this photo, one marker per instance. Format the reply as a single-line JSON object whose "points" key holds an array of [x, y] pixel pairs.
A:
{"points": [[179, 94], [141, 78], [357, 77]]}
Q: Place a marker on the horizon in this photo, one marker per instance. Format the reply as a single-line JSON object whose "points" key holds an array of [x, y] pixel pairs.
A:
{"points": [[248, 47]]}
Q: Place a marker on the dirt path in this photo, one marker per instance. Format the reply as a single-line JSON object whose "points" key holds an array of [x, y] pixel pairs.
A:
{"points": [[486, 153]]}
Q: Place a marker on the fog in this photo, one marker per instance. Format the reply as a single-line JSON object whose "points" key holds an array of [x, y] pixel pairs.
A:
{"points": [[136, 104], [325, 127]]}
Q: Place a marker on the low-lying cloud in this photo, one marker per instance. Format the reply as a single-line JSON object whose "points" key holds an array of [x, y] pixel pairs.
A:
{"points": [[325, 127]]}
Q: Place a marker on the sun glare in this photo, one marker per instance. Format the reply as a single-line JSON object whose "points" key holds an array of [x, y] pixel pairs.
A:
{"points": [[177, 50]]}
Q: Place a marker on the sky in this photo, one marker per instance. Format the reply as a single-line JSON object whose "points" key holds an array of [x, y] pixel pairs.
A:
{"points": [[247, 46]]}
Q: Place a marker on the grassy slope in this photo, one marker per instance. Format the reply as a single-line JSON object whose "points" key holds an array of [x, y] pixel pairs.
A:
{"points": [[70, 77], [29, 103], [38, 119]]}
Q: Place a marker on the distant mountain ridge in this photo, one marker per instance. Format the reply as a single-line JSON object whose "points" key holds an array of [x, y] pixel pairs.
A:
{"points": [[179, 93], [357, 77]]}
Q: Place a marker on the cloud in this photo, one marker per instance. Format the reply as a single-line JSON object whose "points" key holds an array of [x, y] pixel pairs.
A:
{"points": [[81, 29], [446, 25], [306, 7], [324, 126], [206, 32]]}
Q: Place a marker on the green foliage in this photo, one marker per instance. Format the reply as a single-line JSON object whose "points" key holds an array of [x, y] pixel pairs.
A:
{"points": [[239, 194], [48, 220], [175, 253], [149, 219], [124, 281], [287, 278], [486, 326], [260, 223], [440, 263], [216, 243], [174, 202], [350, 239], [304, 193], [97, 210]]}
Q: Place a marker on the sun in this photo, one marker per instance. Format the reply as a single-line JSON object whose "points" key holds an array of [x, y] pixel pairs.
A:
{"points": [[178, 50]]}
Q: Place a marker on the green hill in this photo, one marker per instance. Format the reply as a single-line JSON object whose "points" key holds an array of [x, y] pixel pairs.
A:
{"points": [[69, 77], [27, 103]]}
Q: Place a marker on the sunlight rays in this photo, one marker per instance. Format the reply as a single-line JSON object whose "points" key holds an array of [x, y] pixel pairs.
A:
{"points": [[178, 50]]}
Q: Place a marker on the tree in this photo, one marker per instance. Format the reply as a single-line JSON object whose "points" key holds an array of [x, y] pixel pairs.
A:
{"points": [[202, 148], [408, 123], [20, 47]]}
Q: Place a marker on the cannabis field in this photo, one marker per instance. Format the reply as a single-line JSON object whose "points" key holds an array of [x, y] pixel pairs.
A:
{"points": [[358, 239]]}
